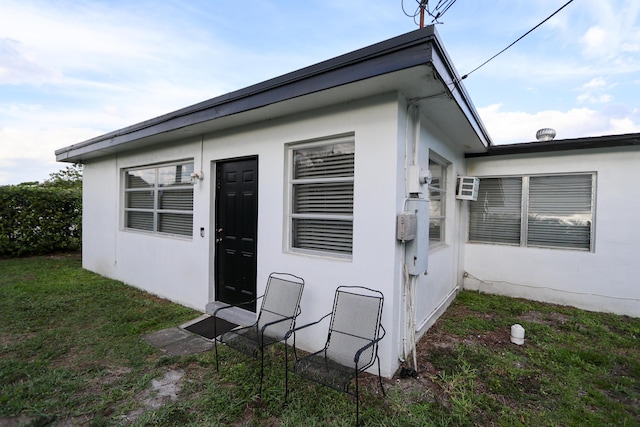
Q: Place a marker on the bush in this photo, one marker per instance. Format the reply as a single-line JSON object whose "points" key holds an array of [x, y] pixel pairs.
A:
{"points": [[39, 219]]}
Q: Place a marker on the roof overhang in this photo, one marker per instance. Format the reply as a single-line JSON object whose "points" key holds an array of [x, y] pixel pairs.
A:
{"points": [[414, 64]]}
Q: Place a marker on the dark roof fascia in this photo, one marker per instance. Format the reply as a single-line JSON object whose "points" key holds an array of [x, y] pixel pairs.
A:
{"points": [[453, 82], [402, 52], [608, 141]]}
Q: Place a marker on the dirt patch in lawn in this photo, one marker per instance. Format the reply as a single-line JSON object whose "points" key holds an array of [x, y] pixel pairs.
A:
{"points": [[160, 392]]}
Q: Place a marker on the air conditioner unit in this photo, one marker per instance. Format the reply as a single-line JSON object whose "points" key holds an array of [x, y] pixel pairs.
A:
{"points": [[467, 188]]}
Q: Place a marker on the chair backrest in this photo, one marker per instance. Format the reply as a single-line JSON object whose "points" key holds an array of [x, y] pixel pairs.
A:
{"points": [[355, 322], [281, 300]]}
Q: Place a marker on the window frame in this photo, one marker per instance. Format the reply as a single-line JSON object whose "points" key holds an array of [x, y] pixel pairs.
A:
{"points": [[525, 199], [441, 189], [293, 184], [157, 190]]}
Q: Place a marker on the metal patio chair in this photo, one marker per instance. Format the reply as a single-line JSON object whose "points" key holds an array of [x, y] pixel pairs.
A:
{"points": [[278, 311], [355, 330]]}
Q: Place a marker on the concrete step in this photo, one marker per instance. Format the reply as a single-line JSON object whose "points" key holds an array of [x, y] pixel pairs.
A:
{"points": [[235, 315]]}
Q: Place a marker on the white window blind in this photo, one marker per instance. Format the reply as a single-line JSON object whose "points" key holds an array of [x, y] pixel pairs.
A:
{"points": [[554, 211], [560, 211], [322, 196], [160, 199], [437, 200], [496, 216]]}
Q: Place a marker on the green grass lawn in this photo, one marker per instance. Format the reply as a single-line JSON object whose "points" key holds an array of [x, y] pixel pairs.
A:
{"points": [[71, 353]]}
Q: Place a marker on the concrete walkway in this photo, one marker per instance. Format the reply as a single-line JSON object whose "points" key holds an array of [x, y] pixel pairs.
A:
{"points": [[179, 342]]}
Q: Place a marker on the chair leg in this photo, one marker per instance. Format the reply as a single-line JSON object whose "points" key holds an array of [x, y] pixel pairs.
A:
{"points": [[380, 378], [261, 369], [286, 373], [357, 400], [215, 346]]}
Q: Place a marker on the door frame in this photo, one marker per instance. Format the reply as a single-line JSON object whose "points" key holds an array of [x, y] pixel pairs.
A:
{"points": [[213, 235]]}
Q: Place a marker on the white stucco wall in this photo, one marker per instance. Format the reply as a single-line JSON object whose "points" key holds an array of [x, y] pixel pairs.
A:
{"points": [[436, 289], [181, 269], [603, 280]]}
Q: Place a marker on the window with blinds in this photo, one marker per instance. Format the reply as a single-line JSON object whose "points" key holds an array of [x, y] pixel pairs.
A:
{"points": [[437, 199], [159, 199], [322, 196], [554, 211]]}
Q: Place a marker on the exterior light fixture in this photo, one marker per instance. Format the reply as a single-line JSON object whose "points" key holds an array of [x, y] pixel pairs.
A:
{"points": [[197, 176]]}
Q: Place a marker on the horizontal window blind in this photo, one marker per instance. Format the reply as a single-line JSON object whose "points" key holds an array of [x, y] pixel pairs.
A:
{"points": [[160, 199], [176, 199], [437, 199], [327, 161], [496, 216], [560, 211], [323, 235], [139, 220], [140, 199], [435, 230], [175, 223], [322, 197], [555, 211]]}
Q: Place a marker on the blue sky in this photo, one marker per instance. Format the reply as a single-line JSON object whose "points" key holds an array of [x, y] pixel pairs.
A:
{"points": [[72, 70]]}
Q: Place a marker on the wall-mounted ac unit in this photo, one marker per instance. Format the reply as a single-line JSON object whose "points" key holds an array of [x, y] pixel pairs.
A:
{"points": [[467, 188]]}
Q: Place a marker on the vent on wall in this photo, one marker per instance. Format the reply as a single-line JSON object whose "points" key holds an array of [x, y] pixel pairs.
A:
{"points": [[467, 188]]}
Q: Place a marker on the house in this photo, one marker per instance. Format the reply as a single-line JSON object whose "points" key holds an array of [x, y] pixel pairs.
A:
{"points": [[573, 240], [343, 173]]}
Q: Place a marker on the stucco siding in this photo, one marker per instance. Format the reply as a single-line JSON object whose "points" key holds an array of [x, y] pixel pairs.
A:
{"points": [[436, 290], [100, 216], [602, 280], [181, 269]]}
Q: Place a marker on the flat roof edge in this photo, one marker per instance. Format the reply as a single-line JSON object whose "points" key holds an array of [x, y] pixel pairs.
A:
{"points": [[274, 90], [606, 141]]}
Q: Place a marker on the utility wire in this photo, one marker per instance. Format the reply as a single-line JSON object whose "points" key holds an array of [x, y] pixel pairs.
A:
{"points": [[521, 37], [435, 12]]}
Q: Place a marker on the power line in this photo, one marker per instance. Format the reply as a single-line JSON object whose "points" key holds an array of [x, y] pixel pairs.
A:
{"points": [[441, 7], [520, 38]]}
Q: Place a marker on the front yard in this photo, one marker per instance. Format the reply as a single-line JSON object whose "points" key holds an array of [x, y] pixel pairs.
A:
{"points": [[71, 353]]}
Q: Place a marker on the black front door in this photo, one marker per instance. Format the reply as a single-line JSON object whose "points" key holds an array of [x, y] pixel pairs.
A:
{"points": [[236, 231]]}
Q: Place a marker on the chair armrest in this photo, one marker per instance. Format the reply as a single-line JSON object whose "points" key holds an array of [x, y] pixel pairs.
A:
{"points": [[266, 325], [291, 331], [359, 352]]}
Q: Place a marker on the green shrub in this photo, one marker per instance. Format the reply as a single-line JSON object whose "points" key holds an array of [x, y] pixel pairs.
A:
{"points": [[39, 219]]}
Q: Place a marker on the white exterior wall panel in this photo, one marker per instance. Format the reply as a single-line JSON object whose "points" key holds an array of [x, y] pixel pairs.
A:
{"points": [[603, 280], [182, 269], [436, 290]]}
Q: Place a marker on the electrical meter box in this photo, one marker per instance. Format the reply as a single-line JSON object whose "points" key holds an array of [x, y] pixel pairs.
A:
{"points": [[417, 249]]}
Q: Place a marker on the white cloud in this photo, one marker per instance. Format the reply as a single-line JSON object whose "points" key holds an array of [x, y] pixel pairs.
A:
{"points": [[594, 83], [595, 39], [28, 154], [518, 126], [29, 144], [73, 70], [17, 66], [625, 125]]}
